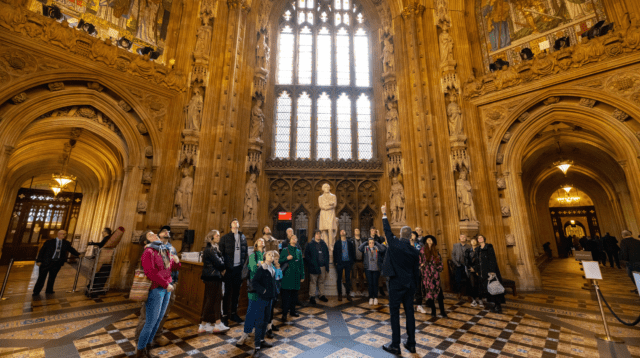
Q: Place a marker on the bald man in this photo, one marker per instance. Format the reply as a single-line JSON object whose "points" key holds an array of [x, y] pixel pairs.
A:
{"points": [[51, 258]]}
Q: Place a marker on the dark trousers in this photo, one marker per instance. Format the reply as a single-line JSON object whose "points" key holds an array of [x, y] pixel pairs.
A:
{"points": [[432, 304], [372, 282], [289, 301], [262, 309], [399, 294], [51, 270], [613, 255], [212, 299], [143, 317], [346, 268], [461, 278], [232, 283]]}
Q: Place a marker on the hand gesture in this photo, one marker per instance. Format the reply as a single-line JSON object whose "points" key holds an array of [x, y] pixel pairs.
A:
{"points": [[175, 259], [384, 209], [170, 288], [289, 257]]}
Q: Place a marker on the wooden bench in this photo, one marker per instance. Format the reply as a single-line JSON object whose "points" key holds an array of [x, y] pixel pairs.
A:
{"points": [[510, 284]]}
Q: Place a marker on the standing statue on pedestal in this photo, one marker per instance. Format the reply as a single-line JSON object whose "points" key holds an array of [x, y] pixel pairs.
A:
{"points": [[251, 198], [388, 62], [455, 119], [184, 193], [392, 122], [194, 110], [397, 202], [257, 121], [263, 53], [466, 208], [328, 225], [446, 48]]}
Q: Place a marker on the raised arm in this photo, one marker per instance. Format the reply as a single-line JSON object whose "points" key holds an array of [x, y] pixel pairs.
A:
{"points": [[391, 239], [362, 246]]}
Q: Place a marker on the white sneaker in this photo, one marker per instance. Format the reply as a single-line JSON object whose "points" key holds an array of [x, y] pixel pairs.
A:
{"points": [[221, 327], [208, 327], [370, 301], [375, 301], [201, 328], [481, 304], [473, 304], [421, 309], [242, 339], [352, 294]]}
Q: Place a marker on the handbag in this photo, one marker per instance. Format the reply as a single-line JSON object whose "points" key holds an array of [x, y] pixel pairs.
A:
{"points": [[284, 266], [494, 287], [249, 284], [140, 287]]}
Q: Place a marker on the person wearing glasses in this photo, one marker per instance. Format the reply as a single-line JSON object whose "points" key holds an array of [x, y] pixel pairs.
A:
{"points": [[50, 260]]}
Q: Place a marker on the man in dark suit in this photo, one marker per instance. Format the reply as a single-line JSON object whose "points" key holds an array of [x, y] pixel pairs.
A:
{"points": [[51, 257], [400, 264], [344, 253], [233, 247]]}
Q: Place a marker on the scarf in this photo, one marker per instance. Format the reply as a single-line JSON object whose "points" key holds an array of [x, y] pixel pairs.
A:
{"points": [[163, 250]]}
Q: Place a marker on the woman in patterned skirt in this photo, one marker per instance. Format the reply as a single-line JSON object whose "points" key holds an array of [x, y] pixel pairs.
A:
{"points": [[430, 268]]}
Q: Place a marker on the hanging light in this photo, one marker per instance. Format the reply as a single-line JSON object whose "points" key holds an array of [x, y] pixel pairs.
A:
{"points": [[63, 180], [563, 165], [56, 189], [567, 198], [567, 188]]}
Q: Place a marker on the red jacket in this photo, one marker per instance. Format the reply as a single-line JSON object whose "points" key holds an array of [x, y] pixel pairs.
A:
{"points": [[153, 266]]}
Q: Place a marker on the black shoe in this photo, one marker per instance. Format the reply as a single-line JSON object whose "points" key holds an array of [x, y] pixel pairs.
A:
{"points": [[35, 294], [275, 328], [225, 321], [269, 334], [393, 350], [324, 299], [49, 292], [411, 349], [444, 315], [295, 314], [349, 298], [256, 352], [284, 319], [234, 317], [312, 300], [265, 344], [340, 297], [302, 304]]}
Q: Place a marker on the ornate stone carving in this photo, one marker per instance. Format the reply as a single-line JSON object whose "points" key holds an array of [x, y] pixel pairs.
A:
{"points": [[524, 116], [501, 182], [327, 203], [500, 158], [506, 137], [203, 42], [56, 86], [510, 239], [147, 176], [473, 87], [619, 115], [263, 53], [142, 129], [208, 10], [506, 212], [587, 102], [136, 236], [251, 199], [397, 202], [466, 207], [194, 110], [148, 152], [551, 100], [257, 121], [254, 162], [104, 51], [85, 112], [388, 61], [124, 105], [297, 164], [183, 196], [141, 207], [446, 49], [95, 86], [19, 98], [393, 133], [454, 115]]}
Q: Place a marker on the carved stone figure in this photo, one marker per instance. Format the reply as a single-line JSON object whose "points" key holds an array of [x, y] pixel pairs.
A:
{"points": [[208, 10], [587, 102], [251, 199], [147, 176], [257, 121], [446, 48], [473, 87], [510, 240], [95, 86], [148, 152], [454, 115], [56, 86], [501, 182], [543, 65], [104, 51], [58, 34], [466, 208], [194, 110], [500, 158], [263, 53], [397, 200], [507, 77], [124, 105], [393, 134], [142, 66], [619, 115], [327, 223], [184, 194], [142, 129], [142, 206], [388, 62], [19, 98], [506, 212], [203, 41]]}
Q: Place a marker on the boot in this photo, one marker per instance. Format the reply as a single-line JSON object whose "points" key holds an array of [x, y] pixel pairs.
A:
{"points": [[147, 352], [498, 308], [312, 300], [140, 353], [340, 297]]}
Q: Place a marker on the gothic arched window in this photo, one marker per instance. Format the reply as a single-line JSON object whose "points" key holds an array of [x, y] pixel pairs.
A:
{"points": [[323, 82]]}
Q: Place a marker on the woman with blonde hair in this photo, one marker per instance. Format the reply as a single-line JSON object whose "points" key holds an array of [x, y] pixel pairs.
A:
{"points": [[212, 271]]}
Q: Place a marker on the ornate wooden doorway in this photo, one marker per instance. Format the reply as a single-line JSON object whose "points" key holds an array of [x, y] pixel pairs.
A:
{"points": [[37, 216]]}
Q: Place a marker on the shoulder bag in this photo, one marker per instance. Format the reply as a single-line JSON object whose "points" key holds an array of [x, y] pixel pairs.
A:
{"points": [[249, 284], [140, 287], [494, 287], [284, 266]]}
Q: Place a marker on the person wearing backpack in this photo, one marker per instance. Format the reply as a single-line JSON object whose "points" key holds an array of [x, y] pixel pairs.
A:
{"points": [[255, 260], [212, 271]]}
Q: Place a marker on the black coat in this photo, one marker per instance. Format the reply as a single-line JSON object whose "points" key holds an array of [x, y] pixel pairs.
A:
{"points": [[486, 263], [337, 253], [212, 262], [45, 256], [610, 243], [227, 247], [101, 243], [401, 261], [264, 284], [311, 257]]}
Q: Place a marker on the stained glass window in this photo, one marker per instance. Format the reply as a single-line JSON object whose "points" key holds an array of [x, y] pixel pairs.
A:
{"points": [[323, 81]]}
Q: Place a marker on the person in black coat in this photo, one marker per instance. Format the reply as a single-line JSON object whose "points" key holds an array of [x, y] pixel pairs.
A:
{"points": [[401, 264], [213, 268], [316, 256], [106, 235], [611, 247], [264, 285], [344, 261], [51, 258], [486, 265], [233, 247]]}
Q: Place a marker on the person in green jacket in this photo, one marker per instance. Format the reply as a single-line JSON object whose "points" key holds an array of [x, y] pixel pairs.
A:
{"points": [[293, 276], [255, 259]]}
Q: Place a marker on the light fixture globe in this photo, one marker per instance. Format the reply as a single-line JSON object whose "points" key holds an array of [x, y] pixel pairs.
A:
{"points": [[563, 165], [63, 180], [567, 188], [56, 189]]}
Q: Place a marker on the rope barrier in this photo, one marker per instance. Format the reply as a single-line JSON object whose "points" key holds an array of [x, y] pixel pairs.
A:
{"points": [[615, 315]]}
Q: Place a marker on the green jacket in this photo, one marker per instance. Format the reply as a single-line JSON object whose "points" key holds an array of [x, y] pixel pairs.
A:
{"points": [[253, 268], [295, 271]]}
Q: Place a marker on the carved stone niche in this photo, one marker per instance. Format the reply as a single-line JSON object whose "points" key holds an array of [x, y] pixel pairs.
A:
{"points": [[19, 98], [551, 100], [500, 158], [510, 240], [124, 105], [587, 102], [147, 176], [507, 137], [136, 236], [506, 211], [95, 86]]}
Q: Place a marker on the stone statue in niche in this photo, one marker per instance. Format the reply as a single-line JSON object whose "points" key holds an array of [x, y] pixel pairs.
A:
{"points": [[388, 62], [455, 119], [142, 206], [257, 121], [147, 176], [194, 110], [466, 208], [396, 198], [203, 41], [327, 203], [251, 198], [392, 122], [446, 48], [184, 194], [263, 53]]}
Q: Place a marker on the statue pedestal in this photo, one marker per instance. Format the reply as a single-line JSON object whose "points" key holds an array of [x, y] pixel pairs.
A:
{"points": [[469, 228], [330, 284]]}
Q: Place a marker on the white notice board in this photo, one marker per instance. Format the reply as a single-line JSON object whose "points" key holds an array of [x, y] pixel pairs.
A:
{"points": [[636, 277], [592, 270]]}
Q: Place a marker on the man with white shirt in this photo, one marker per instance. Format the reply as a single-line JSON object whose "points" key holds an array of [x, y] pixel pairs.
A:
{"points": [[51, 258], [233, 247]]}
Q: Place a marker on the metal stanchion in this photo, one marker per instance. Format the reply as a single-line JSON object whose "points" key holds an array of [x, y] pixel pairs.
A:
{"points": [[75, 283], [6, 278], [604, 337]]}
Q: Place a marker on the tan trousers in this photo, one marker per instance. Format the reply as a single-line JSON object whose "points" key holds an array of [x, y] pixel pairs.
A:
{"points": [[317, 282], [357, 277]]}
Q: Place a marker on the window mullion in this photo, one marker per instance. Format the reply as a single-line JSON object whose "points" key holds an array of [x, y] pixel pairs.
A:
{"points": [[354, 128], [294, 124], [314, 126], [334, 123]]}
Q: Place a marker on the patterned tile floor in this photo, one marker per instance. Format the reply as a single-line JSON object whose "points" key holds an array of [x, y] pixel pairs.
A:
{"points": [[560, 320]]}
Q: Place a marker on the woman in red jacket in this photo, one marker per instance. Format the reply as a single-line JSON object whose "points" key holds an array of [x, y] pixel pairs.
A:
{"points": [[157, 263]]}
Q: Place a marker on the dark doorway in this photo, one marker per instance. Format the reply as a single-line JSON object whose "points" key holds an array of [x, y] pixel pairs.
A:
{"points": [[574, 220], [37, 216]]}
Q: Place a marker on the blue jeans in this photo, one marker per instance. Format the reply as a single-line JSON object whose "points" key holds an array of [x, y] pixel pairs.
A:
{"points": [[263, 311], [155, 307], [250, 319], [372, 282]]}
